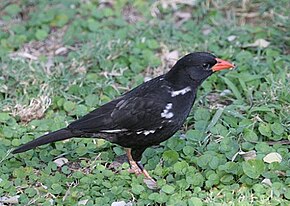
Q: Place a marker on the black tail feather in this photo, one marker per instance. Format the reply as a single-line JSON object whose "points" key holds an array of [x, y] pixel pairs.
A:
{"points": [[58, 135]]}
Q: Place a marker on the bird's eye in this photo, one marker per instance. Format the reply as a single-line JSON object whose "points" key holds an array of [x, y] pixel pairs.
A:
{"points": [[206, 66]]}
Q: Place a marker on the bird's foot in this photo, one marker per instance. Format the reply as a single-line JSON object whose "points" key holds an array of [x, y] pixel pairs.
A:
{"points": [[135, 168], [138, 169], [148, 180], [151, 183]]}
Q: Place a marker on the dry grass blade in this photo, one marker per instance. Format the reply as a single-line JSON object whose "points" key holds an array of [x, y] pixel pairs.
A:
{"points": [[36, 107]]}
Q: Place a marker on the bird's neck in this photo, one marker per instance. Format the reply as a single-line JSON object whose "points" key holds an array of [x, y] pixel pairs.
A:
{"points": [[181, 80]]}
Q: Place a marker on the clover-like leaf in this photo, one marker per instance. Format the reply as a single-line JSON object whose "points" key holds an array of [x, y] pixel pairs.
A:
{"points": [[253, 168]]}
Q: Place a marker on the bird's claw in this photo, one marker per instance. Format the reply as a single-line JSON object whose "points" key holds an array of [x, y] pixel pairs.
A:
{"points": [[135, 169], [151, 183]]}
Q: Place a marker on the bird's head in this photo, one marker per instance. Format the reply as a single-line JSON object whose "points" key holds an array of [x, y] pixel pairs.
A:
{"points": [[200, 65]]}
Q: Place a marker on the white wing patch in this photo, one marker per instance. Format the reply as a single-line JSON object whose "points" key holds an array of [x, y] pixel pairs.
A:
{"points": [[114, 130], [146, 132], [180, 92], [166, 114]]}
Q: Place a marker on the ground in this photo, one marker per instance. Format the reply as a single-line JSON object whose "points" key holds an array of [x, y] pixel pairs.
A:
{"points": [[61, 59]]}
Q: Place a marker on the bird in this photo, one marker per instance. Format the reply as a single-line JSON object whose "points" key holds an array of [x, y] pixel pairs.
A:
{"points": [[146, 115]]}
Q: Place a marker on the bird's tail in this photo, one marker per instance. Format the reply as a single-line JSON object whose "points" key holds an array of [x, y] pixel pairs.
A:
{"points": [[58, 135]]}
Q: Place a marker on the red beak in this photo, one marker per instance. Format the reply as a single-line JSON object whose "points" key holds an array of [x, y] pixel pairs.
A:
{"points": [[221, 65]]}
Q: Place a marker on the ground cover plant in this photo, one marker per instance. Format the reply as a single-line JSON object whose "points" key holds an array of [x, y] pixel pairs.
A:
{"points": [[62, 59]]}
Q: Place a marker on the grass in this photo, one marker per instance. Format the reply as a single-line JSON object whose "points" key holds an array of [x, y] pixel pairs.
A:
{"points": [[62, 59]]}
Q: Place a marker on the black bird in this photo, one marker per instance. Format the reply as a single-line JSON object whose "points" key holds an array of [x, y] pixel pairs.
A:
{"points": [[145, 116]]}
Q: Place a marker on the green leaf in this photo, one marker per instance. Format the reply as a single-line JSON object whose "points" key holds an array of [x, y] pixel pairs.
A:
{"points": [[261, 109], [201, 125], [201, 114], [287, 194], [214, 178], [168, 189], [60, 20], [188, 150], [219, 129], [233, 88], [227, 179], [137, 189], [195, 135], [158, 197], [230, 167], [16, 142], [180, 167], [12, 9], [81, 150], [152, 44], [30, 192], [265, 129], [91, 100], [229, 146], [277, 128], [175, 143], [69, 106], [253, 168], [195, 201], [118, 151], [194, 178], [41, 34], [56, 188], [4, 117], [8, 132], [80, 110], [250, 135], [170, 156], [215, 119], [214, 162], [93, 25], [204, 160], [65, 170]]}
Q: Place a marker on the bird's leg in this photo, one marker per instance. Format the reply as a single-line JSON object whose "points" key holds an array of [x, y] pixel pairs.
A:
{"points": [[137, 167], [145, 173], [134, 166]]}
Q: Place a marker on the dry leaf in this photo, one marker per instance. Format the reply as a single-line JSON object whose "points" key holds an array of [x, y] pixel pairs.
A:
{"points": [[24, 55], [10, 200], [171, 57], [183, 15], [36, 108], [83, 202], [150, 184], [206, 30], [231, 38], [225, 92], [267, 181], [248, 155], [60, 161], [121, 203], [272, 157], [261, 43], [61, 51]]}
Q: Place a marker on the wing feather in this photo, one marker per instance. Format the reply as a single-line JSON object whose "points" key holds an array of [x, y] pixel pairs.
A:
{"points": [[139, 109]]}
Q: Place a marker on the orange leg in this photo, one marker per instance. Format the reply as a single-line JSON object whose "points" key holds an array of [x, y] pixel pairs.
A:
{"points": [[134, 166], [138, 170]]}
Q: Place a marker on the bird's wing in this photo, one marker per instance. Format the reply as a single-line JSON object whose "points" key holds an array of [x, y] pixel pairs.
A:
{"points": [[125, 114], [139, 113], [96, 120]]}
